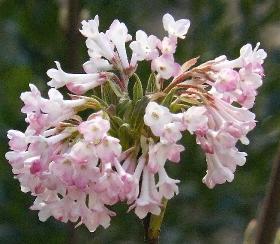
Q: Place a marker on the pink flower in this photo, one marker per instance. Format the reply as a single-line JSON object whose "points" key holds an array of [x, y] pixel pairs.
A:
{"points": [[32, 100], [108, 149], [159, 153], [248, 55], [130, 189], [95, 129], [83, 153], [165, 66], [109, 186], [195, 120], [170, 133], [174, 151], [149, 199], [100, 215], [73, 163], [98, 43], [227, 80], [216, 172], [43, 113], [167, 186], [18, 140], [221, 166], [247, 98], [168, 45], [59, 109], [239, 87], [226, 125]]}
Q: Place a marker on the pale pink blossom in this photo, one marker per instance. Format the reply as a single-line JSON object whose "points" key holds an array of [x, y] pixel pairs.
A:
{"points": [[165, 66], [109, 186], [222, 165], [108, 149], [168, 45], [227, 80], [74, 164], [167, 186], [94, 130], [149, 199], [129, 164], [226, 125], [159, 153], [97, 42], [101, 214], [83, 153], [59, 109], [248, 55], [240, 87], [171, 133], [32, 100], [195, 120], [18, 141]]}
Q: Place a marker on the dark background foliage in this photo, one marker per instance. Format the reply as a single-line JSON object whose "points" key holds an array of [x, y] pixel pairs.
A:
{"points": [[32, 36]]}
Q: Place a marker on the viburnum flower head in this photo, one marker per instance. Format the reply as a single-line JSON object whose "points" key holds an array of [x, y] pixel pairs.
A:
{"points": [[106, 144]]}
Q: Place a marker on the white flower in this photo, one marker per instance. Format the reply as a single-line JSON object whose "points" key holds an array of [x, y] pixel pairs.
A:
{"points": [[144, 48], [100, 46], [90, 27], [118, 34], [77, 83], [177, 28], [250, 55], [95, 65], [156, 116], [97, 42]]}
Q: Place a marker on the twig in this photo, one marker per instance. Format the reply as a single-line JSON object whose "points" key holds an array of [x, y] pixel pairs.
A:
{"points": [[72, 35], [267, 223]]}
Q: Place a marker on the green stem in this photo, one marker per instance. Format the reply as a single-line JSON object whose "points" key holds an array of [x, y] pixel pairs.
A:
{"points": [[155, 224]]}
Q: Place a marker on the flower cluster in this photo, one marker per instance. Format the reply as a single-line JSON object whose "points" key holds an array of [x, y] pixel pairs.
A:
{"points": [[104, 145]]}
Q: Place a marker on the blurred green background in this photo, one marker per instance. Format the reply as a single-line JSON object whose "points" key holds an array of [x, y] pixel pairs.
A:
{"points": [[32, 36]]}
